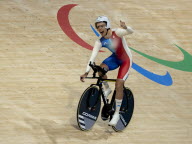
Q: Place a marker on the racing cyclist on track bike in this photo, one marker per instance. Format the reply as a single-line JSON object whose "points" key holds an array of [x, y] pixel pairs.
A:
{"points": [[121, 57]]}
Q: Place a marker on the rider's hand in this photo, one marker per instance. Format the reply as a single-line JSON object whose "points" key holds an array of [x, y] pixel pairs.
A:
{"points": [[123, 25], [82, 77]]}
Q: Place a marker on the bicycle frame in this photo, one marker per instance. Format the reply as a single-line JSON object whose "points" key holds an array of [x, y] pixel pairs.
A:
{"points": [[99, 84]]}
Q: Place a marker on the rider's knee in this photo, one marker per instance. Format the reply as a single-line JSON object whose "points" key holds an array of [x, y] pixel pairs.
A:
{"points": [[104, 66], [105, 70]]}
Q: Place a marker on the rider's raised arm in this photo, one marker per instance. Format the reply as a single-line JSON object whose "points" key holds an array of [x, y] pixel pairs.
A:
{"points": [[122, 32], [95, 51]]}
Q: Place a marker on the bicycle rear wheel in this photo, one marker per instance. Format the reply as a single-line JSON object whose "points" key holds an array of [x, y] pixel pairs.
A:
{"points": [[88, 108], [126, 110]]}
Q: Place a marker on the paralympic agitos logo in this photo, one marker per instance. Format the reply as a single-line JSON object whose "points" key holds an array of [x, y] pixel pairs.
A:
{"points": [[183, 65]]}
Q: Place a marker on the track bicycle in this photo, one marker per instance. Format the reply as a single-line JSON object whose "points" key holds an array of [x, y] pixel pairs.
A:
{"points": [[90, 103]]}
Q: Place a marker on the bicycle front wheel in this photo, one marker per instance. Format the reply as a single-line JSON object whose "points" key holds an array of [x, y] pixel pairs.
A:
{"points": [[88, 108]]}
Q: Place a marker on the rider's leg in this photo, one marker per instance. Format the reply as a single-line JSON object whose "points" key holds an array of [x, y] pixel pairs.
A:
{"points": [[119, 89], [109, 63], [105, 84], [122, 76], [118, 101]]}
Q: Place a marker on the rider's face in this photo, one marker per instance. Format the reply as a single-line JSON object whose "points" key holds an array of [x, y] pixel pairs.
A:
{"points": [[101, 28]]}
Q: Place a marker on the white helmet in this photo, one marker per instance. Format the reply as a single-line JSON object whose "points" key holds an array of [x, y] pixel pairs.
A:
{"points": [[103, 19]]}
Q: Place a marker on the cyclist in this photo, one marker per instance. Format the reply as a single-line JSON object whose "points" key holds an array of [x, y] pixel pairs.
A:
{"points": [[121, 57]]}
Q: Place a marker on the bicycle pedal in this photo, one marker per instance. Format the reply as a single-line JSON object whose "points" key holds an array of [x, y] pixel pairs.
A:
{"points": [[104, 118], [111, 112]]}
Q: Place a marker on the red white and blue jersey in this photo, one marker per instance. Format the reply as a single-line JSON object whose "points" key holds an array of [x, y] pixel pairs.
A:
{"points": [[121, 54]]}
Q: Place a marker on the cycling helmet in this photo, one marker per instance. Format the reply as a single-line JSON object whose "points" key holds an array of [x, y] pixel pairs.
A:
{"points": [[103, 19]]}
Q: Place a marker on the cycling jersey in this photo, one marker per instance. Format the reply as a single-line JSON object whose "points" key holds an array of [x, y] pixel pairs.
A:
{"points": [[121, 54]]}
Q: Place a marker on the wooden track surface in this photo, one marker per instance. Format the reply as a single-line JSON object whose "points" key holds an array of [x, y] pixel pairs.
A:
{"points": [[40, 68]]}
